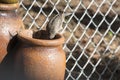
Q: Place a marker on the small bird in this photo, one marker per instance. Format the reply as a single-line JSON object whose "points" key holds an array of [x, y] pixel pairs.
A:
{"points": [[54, 26]]}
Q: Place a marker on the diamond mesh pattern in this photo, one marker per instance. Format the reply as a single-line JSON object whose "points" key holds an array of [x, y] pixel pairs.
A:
{"points": [[92, 34]]}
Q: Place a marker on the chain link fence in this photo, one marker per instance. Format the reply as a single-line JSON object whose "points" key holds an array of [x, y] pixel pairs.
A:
{"points": [[92, 34]]}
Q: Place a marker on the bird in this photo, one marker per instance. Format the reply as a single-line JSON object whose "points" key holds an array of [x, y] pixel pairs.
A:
{"points": [[54, 26]]}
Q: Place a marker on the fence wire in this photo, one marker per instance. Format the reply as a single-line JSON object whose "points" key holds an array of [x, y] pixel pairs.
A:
{"points": [[92, 34]]}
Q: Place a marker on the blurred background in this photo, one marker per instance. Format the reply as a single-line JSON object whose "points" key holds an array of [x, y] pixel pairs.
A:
{"points": [[92, 34]]}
